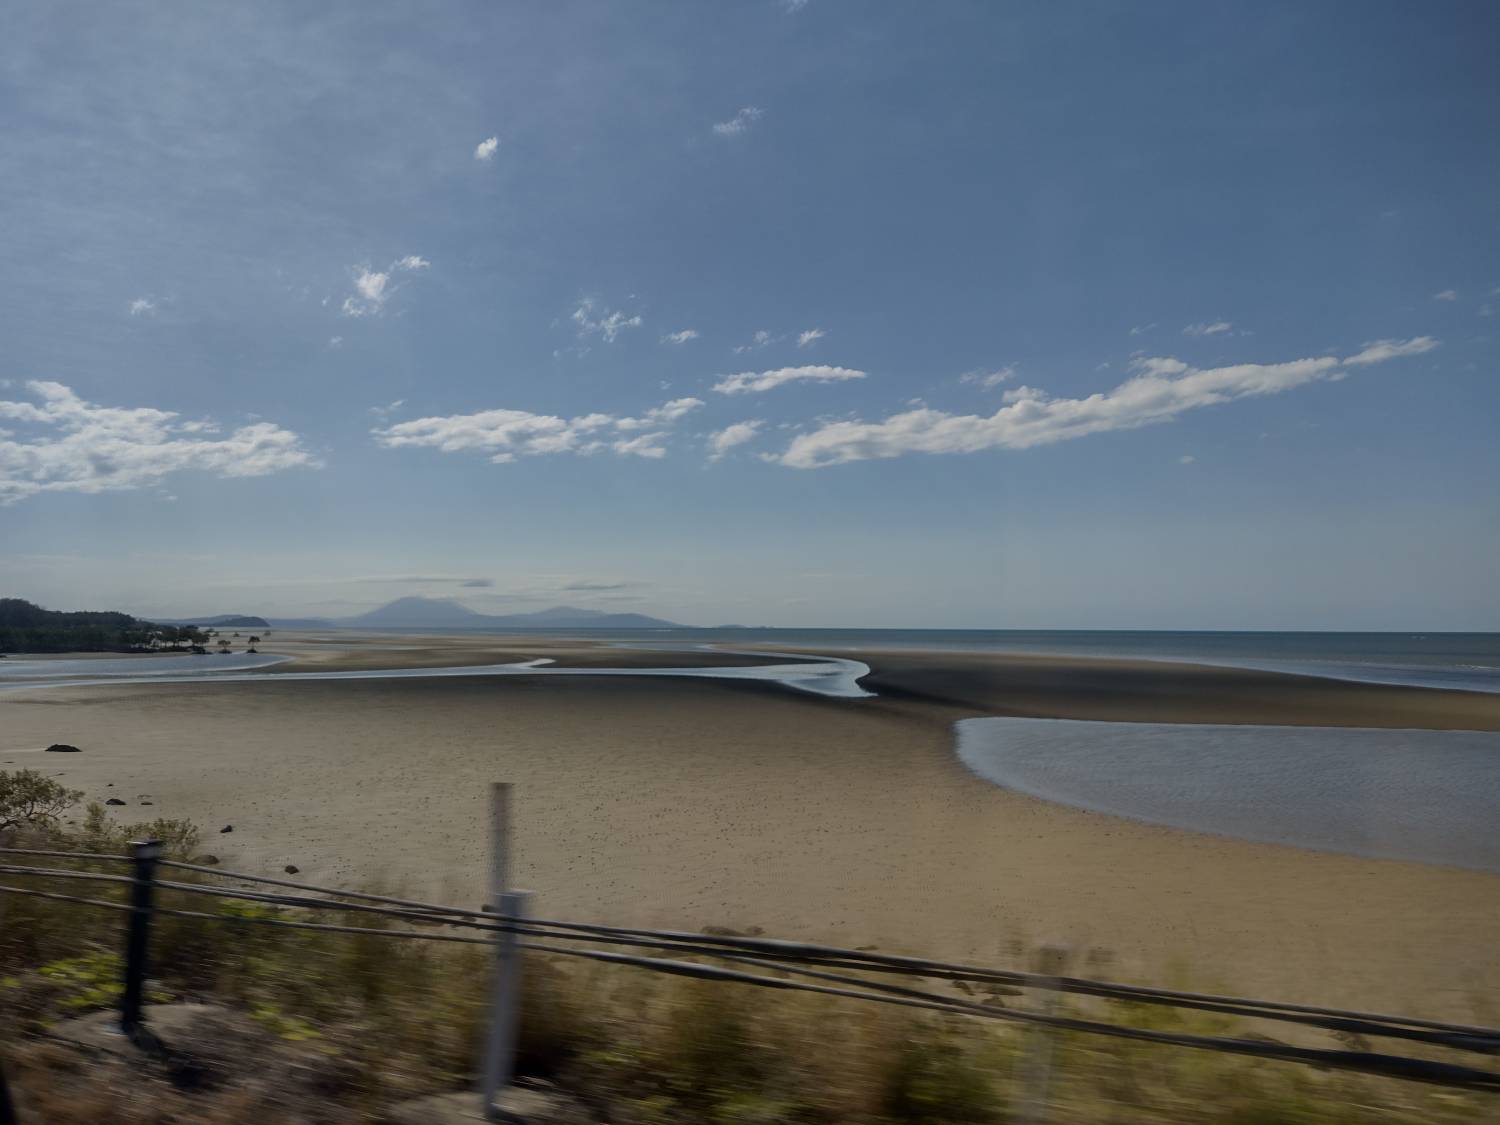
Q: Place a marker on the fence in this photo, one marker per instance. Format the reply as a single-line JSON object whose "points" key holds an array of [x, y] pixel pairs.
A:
{"points": [[507, 925]]}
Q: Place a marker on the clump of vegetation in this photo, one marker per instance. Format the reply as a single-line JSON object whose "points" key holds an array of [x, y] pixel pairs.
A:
{"points": [[32, 800], [352, 1023]]}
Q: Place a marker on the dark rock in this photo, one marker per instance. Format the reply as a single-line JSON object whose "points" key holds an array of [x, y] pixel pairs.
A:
{"points": [[226, 828], [63, 748], [291, 869], [114, 801], [207, 860], [148, 802]]}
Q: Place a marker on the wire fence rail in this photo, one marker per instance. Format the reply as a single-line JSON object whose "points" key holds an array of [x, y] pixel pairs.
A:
{"points": [[507, 926]]}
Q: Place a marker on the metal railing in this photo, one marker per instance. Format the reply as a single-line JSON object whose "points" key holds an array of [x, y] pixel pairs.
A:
{"points": [[507, 926]]}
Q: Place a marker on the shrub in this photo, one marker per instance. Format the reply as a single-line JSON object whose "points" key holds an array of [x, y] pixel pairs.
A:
{"points": [[30, 800]]}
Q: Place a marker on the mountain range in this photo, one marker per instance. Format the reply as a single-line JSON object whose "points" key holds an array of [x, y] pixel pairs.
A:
{"points": [[445, 613]]}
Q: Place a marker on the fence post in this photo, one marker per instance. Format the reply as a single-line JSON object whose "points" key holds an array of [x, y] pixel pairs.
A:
{"points": [[7, 1111], [498, 1065], [145, 853], [1036, 1061]]}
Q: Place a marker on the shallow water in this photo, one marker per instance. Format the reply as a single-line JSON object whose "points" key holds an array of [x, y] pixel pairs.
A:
{"points": [[1429, 795], [1454, 661], [830, 677], [22, 668]]}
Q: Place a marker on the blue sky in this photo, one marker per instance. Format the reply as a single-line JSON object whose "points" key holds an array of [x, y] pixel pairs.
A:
{"points": [[832, 313]]}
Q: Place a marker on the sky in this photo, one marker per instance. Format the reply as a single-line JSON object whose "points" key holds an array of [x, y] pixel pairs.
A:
{"points": [[817, 313]]}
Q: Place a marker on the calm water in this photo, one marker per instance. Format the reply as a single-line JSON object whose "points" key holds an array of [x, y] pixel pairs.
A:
{"points": [[1428, 795], [1465, 661], [832, 677]]}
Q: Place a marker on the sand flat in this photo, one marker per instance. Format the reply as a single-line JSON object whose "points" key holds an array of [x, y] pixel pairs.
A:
{"points": [[687, 803]]}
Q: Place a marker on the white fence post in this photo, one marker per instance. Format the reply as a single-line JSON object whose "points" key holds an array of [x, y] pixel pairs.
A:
{"points": [[505, 991], [1036, 1061]]}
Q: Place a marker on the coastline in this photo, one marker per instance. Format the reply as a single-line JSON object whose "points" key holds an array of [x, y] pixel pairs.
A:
{"points": [[687, 803]]}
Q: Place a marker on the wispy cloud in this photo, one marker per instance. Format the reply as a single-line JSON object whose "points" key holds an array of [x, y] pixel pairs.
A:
{"points": [[1142, 329], [1162, 389], [1186, 459], [335, 341], [1208, 328], [741, 121], [588, 587], [664, 415], [68, 444], [142, 306], [680, 337], [485, 150], [388, 409], [793, 5], [373, 288], [809, 337], [747, 382], [989, 379], [504, 435], [761, 339], [606, 323], [722, 441], [1446, 295]]}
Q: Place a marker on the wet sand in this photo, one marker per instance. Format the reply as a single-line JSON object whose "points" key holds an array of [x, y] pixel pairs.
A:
{"points": [[689, 803]]}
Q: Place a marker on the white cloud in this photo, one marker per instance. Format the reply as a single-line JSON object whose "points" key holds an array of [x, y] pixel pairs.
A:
{"points": [[372, 288], [485, 150], [388, 409], [1142, 329], [142, 306], [1207, 328], [680, 337], [1378, 351], [1446, 295], [811, 336], [335, 341], [793, 5], [761, 339], [647, 445], [609, 324], [1186, 459], [663, 415], [741, 121], [504, 435], [78, 446], [989, 379], [748, 381], [722, 441], [1161, 389]]}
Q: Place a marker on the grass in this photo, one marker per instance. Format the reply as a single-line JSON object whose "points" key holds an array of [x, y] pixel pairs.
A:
{"points": [[353, 1024]]}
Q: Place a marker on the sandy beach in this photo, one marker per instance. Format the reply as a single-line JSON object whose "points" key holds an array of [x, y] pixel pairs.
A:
{"points": [[687, 803]]}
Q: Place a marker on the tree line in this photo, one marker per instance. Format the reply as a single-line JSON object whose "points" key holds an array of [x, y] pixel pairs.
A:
{"points": [[26, 627]]}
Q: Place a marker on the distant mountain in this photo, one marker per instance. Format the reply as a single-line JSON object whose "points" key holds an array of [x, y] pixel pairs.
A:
{"points": [[444, 613], [223, 621], [416, 613]]}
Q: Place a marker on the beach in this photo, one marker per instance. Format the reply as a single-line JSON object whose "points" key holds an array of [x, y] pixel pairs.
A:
{"points": [[686, 803]]}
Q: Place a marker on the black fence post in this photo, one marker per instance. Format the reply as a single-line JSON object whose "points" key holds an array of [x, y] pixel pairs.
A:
{"points": [[7, 1111], [145, 854]]}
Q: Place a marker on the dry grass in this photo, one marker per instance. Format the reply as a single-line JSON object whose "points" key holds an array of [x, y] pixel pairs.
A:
{"points": [[335, 1028]]}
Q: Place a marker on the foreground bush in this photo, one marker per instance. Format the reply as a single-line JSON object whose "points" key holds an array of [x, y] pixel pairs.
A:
{"points": [[344, 1026]]}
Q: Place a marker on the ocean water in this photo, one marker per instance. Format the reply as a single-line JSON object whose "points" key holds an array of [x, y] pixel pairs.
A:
{"points": [[1427, 795], [1456, 661], [832, 677]]}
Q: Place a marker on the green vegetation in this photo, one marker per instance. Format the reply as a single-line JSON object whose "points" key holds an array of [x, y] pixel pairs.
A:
{"points": [[25, 627], [351, 1024]]}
